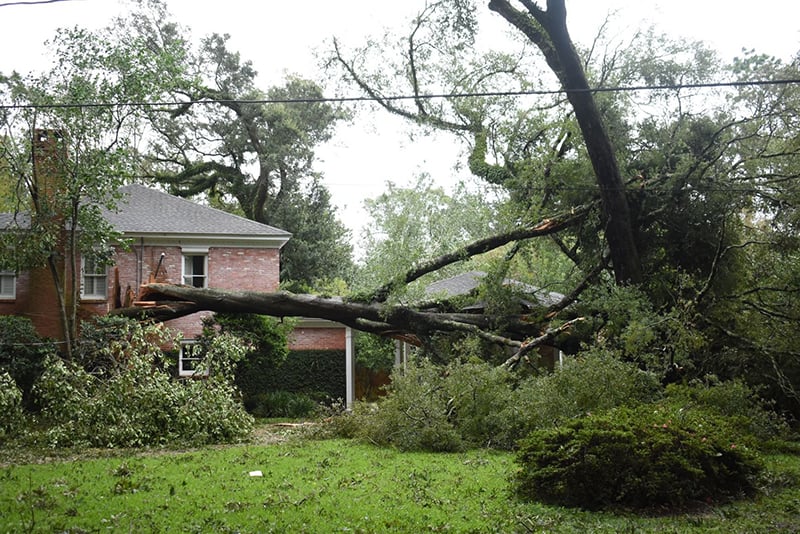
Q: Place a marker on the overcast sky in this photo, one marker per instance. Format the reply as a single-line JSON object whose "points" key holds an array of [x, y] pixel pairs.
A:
{"points": [[279, 36]]}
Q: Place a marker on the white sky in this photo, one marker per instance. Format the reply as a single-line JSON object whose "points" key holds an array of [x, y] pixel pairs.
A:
{"points": [[279, 36]]}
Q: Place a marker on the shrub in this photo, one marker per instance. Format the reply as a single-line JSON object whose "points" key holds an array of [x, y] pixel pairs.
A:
{"points": [[281, 404], [480, 396], [474, 403], [735, 400], [267, 347], [132, 401], [417, 414], [22, 353], [435, 408], [11, 415], [317, 373], [644, 456], [590, 382]]}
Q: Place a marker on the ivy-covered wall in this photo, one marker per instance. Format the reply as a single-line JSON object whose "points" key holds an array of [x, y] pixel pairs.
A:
{"points": [[314, 372]]}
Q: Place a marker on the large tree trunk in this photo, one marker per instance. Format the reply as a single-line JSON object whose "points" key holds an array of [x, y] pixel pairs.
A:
{"points": [[168, 301], [548, 31]]}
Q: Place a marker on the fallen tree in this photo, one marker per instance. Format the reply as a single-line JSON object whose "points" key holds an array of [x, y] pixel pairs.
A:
{"points": [[371, 313]]}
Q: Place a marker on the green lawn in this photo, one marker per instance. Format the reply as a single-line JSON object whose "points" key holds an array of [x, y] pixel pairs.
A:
{"points": [[333, 486]]}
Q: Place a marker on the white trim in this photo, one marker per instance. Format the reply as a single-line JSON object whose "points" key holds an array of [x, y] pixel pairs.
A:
{"points": [[13, 293], [311, 322], [349, 369], [94, 276], [209, 241], [194, 250], [181, 359], [205, 276]]}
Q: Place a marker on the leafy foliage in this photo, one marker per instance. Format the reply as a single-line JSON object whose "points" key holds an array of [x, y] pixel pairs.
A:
{"points": [[265, 341], [413, 223], [737, 402], [374, 352], [22, 353], [135, 402], [472, 403], [592, 381], [11, 415], [644, 456], [317, 373]]}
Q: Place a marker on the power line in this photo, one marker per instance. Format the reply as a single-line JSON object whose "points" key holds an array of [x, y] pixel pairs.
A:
{"points": [[394, 98], [32, 2]]}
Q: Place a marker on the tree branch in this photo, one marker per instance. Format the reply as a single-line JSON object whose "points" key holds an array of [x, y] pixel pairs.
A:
{"points": [[173, 301], [543, 227]]}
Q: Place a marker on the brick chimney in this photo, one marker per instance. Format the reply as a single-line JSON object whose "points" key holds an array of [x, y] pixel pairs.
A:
{"points": [[49, 157]]}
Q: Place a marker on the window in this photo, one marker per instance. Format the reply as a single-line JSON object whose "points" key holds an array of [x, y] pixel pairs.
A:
{"points": [[8, 285], [190, 358], [94, 279], [195, 270]]}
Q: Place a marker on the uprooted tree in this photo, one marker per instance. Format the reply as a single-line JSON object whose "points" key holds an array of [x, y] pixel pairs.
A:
{"points": [[688, 195]]}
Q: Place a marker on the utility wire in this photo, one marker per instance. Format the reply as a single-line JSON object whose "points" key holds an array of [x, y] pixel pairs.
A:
{"points": [[32, 2], [394, 98]]}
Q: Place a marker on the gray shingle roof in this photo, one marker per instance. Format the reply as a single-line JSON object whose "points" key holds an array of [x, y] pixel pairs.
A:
{"points": [[148, 211], [9, 220], [466, 283]]}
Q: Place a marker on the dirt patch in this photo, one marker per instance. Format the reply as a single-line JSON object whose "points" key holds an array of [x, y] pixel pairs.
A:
{"points": [[277, 432]]}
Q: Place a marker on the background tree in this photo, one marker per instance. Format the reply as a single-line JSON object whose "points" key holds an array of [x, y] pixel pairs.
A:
{"points": [[249, 150], [410, 224]]}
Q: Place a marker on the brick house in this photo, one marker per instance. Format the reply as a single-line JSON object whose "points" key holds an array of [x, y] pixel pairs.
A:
{"points": [[176, 241]]}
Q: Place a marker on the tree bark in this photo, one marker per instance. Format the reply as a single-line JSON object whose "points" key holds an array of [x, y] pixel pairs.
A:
{"points": [[171, 302], [548, 31]]}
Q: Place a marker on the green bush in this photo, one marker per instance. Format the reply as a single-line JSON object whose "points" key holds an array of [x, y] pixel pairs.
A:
{"points": [[265, 339], [317, 373], [138, 403], [11, 415], [465, 404], [374, 352], [735, 400], [590, 382], [651, 455], [281, 404], [479, 396], [417, 414], [434, 408], [22, 353]]}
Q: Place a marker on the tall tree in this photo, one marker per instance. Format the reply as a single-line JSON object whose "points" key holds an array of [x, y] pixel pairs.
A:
{"points": [[68, 144]]}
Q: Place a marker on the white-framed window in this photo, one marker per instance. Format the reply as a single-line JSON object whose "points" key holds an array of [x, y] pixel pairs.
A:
{"points": [[195, 270], [189, 359], [8, 285], [94, 279]]}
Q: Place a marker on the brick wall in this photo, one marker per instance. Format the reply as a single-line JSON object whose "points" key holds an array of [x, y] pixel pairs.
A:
{"points": [[243, 269], [310, 338]]}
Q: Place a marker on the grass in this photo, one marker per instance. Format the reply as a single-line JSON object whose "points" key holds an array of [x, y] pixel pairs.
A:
{"points": [[334, 486]]}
